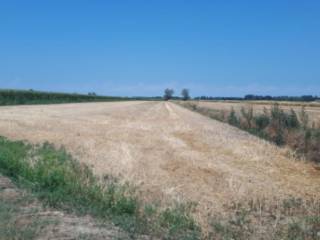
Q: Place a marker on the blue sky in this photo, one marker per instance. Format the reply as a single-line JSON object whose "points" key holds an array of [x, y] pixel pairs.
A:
{"points": [[130, 48]]}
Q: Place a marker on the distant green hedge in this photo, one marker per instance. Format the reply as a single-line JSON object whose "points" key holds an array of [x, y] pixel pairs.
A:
{"points": [[17, 97]]}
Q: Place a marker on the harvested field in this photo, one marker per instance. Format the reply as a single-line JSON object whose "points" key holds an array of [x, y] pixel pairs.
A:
{"points": [[170, 152], [313, 109]]}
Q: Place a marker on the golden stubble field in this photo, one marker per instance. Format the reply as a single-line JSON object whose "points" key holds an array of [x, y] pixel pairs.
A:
{"points": [[170, 152]]}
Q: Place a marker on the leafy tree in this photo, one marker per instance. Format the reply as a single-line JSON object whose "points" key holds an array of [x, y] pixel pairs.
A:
{"points": [[185, 94], [168, 93]]}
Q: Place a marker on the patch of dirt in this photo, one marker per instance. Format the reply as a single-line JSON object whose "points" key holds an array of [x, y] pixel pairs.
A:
{"points": [[54, 224]]}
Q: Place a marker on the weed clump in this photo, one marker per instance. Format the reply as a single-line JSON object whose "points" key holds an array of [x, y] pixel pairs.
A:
{"points": [[247, 116], [233, 119]]}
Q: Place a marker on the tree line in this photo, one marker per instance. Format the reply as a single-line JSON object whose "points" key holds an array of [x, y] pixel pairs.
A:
{"points": [[168, 94], [18, 97], [185, 95], [249, 97], [15, 97], [303, 98]]}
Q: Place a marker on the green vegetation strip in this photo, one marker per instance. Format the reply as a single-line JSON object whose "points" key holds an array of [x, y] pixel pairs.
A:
{"points": [[21, 97], [62, 182]]}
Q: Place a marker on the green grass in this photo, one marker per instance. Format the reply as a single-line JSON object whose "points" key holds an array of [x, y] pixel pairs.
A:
{"points": [[60, 181]]}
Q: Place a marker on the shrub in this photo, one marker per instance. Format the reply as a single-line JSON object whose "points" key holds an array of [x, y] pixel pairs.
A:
{"points": [[292, 120], [248, 116], [277, 126], [312, 144], [262, 121], [275, 111], [304, 118], [232, 118]]}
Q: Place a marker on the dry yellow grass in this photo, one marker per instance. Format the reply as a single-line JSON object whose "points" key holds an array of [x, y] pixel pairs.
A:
{"points": [[170, 152]]}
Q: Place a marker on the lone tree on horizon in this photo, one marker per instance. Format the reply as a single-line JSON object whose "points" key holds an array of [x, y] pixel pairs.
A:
{"points": [[185, 94], [168, 93]]}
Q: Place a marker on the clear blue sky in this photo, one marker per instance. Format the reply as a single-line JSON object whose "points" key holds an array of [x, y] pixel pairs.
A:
{"points": [[219, 48]]}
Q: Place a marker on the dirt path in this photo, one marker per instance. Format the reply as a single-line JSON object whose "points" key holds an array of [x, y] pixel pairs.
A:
{"points": [[23, 217], [169, 151]]}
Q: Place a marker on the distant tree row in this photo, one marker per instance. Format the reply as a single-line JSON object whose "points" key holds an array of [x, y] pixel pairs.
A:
{"points": [[168, 94], [304, 98], [217, 98], [17, 97]]}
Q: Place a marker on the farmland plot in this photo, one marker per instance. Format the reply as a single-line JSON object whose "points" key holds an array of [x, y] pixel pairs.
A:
{"points": [[170, 152]]}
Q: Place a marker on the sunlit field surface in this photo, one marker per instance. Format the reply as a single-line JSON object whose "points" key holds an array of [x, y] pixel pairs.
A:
{"points": [[170, 153]]}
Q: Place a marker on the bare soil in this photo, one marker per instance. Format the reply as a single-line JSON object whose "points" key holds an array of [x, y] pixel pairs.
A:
{"points": [[28, 215], [170, 152]]}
